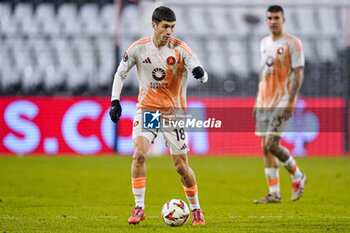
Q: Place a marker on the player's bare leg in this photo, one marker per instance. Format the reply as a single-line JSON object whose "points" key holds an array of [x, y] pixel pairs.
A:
{"points": [[138, 166], [138, 176], [272, 177], [272, 144], [298, 178], [187, 176], [188, 180]]}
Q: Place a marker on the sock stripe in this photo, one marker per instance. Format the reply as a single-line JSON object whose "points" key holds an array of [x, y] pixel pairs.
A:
{"points": [[192, 191], [139, 182], [294, 168], [273, 181]]}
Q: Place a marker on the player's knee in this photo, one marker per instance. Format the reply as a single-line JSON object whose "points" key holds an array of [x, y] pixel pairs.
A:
{"points": [[139, 156], [265, 150], [271, 147], [274, 149], [264, 147]]}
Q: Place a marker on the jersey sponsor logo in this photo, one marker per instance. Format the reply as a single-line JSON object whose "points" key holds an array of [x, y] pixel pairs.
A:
{"points": [[280, 50], [151, 120], [158, 74], [269, 61], [147, 60], [125, 57], [170, 60], [157, 85]]}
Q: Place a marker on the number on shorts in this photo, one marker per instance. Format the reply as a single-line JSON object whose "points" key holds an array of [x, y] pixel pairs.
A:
{"points": [[180, 134], [277, 121]]}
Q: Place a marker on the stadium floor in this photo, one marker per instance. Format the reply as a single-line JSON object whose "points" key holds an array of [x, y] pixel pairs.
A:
{"points": [[93, 194]]}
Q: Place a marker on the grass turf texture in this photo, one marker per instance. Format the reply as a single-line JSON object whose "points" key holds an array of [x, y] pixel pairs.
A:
{"points": [[93, 194]]}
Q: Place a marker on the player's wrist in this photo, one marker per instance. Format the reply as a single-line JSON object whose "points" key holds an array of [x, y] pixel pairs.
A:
{"points": [[115, 103]]}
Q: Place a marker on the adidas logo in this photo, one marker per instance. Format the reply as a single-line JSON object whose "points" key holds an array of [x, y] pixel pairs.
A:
{"points": [[147, 60], [183, 147]]}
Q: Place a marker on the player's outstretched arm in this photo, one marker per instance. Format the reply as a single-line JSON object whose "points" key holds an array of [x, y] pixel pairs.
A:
{"points": [[116, 110], [124, 67]]}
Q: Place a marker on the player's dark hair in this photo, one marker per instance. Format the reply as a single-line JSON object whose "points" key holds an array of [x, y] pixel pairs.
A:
{"points": [[163, 13], [275, 8]]}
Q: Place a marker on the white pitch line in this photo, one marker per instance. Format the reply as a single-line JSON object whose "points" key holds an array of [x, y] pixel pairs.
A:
{"points": [[271, 216]]}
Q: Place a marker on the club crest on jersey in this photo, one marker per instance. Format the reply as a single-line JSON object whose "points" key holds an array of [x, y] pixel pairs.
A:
{"points": [[269, 61], [125, 57], [170, 60], [158, 74], [280, 50]]}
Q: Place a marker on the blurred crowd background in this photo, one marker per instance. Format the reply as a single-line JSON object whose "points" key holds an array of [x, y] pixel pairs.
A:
{"points": [[62, 47]]}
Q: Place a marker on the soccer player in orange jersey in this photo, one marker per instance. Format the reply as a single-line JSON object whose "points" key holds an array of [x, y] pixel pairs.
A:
{"points": [[280, 79], [161, 62]]}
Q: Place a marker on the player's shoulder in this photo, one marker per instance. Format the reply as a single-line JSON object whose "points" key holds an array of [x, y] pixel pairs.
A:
{"points": [[140, 42], [265, 38], [175, 40], [293, 40], [290, 36], [177, 43]]}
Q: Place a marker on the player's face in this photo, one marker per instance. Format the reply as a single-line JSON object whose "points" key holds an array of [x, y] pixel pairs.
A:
{"points": [[275, 22], [163, 30]]}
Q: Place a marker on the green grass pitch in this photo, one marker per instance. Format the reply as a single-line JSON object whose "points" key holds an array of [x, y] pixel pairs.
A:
{"points": [[93, 194]]}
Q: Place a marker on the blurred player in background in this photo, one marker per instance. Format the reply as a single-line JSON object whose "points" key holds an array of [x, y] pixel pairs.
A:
{"points": [[160, 60], [280, 79]]}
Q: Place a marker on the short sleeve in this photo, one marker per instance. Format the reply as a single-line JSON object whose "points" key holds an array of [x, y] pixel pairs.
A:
{"points": [[130, 57], [297, 54]]}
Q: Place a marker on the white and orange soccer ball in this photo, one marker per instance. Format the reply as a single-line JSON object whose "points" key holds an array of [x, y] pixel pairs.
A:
{"points": [[175, 212]]}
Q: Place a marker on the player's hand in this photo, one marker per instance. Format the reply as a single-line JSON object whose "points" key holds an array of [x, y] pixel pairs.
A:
{"points": [[198, 72], [116, 111], [288, 111]]}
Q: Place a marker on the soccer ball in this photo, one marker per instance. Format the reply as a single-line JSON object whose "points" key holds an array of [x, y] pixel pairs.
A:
{"points": [[175, 212]]}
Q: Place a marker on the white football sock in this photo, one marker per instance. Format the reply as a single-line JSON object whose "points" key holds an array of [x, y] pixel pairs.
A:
{"points": [[272, 176], [192, 197], [292, 167], [194, 202], [139, 195]]}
